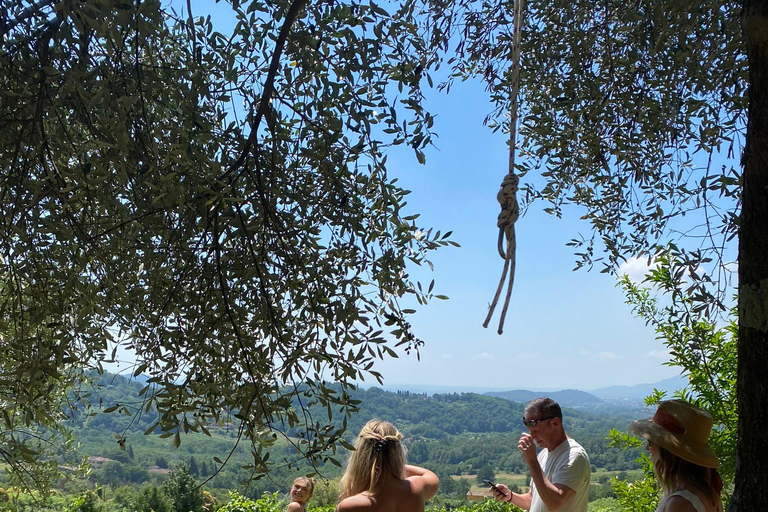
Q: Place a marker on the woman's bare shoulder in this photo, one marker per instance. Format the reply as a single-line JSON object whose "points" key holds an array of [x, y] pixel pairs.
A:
{"points": [[295, 507]]}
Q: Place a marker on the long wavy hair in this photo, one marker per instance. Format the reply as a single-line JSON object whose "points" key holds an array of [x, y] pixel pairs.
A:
{"points": [[674, 472], [378, 452]]}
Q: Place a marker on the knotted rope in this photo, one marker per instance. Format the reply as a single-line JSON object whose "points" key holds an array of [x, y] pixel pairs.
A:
{"points": [[507, 196]]}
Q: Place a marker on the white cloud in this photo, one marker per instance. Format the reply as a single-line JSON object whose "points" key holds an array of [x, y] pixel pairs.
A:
{"points": [[607, 355], [446, 356], [636, 268], [658, 354], [482, 355]]}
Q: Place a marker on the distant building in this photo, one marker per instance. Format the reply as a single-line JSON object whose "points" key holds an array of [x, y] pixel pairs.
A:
{"points": [[158, 470], [97, 462], [479, 495]]}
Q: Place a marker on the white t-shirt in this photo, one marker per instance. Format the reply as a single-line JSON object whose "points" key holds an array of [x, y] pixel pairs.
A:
{"points": [[568, 465]]}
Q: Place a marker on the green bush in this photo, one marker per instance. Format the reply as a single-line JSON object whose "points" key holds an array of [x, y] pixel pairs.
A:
{"points": [[239, 503], [182, 490], [321, 508], [326, 493], [604, 505], [487, 505], [86, 502], [151, 499]]}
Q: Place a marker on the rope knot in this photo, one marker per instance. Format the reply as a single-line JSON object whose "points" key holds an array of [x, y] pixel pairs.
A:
{"points": [[507, 197]]}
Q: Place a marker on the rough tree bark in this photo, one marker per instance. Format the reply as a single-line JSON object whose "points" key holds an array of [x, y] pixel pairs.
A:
{"points": [[751, 492]]}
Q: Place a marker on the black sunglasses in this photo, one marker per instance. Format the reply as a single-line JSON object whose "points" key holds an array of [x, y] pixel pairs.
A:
{"points": [[533, 423]]}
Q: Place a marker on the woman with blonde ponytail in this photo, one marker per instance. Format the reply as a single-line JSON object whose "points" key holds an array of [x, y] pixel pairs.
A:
{"points": [[377, 478]]}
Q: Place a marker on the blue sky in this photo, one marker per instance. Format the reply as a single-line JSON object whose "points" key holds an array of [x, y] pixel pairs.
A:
{"points": [[564, 329]]}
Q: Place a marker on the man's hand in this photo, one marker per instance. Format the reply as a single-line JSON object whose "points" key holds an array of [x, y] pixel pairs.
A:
{"points": [[527, 447], [501, 492]]}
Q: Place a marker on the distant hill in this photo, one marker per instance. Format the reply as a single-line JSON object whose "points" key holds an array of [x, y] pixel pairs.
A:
{"points": [[567, 398], [640, 391], [611, 397]]}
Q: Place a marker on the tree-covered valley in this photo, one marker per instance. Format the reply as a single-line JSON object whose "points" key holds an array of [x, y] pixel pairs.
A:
{"points": [[459, 436]]}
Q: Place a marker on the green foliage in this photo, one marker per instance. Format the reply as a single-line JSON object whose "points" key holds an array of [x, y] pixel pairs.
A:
{"points": [[485, 473], [35, 502], [239, 503], [487, 505], [641, 495], [638, 496], [86, 502], [230, 252], [604, 505], [182, 490], [326, 493], [152, 499], [699, 346]]}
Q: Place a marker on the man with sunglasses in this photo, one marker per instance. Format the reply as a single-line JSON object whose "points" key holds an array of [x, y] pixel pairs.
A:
{"points": [[560, 473]]}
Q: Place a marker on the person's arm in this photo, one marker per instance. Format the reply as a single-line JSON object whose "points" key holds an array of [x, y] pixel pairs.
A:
{"points": [[554, 496], [428, 482], [519, 500]]}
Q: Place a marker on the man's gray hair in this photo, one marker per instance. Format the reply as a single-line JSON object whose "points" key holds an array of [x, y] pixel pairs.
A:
{"points": [[544, 407]]}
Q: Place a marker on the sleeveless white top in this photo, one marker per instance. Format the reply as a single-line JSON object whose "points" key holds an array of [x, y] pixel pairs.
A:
{"points": [[688, 495]]}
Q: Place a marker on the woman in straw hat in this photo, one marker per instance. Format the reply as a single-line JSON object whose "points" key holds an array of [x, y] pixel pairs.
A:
{"points": [[683, 462], [377, 479]]}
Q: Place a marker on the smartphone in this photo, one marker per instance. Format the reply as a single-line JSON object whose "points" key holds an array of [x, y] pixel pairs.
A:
{"points": [[493, 486]]}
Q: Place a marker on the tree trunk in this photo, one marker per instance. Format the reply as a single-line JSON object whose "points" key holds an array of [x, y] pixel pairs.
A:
{"points": [[751, 492]]}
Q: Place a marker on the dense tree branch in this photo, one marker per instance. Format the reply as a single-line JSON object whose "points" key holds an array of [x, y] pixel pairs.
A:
{"points": [[269, 84]]}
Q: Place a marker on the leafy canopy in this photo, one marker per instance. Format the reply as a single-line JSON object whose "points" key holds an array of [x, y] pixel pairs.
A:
{"points": [[215, 204]]}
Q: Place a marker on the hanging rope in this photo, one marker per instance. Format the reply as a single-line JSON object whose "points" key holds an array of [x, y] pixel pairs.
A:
{"points": [[507, 196]]}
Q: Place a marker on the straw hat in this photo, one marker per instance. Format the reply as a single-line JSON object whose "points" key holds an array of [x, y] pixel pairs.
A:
{"points": [[682, 429]]}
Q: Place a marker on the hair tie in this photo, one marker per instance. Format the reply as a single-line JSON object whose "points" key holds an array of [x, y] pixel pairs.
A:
{"points": [[379, 446]]}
